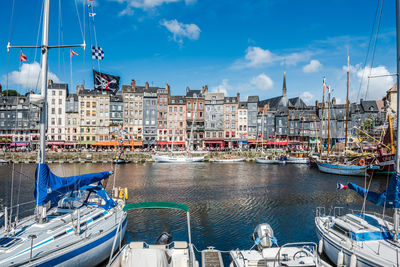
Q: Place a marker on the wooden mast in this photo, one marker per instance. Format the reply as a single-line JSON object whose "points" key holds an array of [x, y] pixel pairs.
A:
{"points": [[329, 118], [347, 102], [322, 117]]}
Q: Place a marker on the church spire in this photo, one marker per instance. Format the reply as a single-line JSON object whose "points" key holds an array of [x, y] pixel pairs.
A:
{"points": [[284, 90]]}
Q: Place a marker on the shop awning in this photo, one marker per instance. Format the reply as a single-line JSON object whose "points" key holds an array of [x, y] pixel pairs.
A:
{"points": [[20, 144], [213, 142]]}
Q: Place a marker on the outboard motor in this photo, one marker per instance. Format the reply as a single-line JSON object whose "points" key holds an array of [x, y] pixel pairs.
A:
{"points": [[164, 239], [263, 236]]}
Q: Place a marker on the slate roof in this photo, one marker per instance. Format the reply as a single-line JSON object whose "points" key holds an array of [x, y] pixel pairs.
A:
{"points": [[116, 98], [242, 105], [74, 96], [252, 99], [230, 99], [63, 86], [369, 106], [177, 100], [194, 94]]}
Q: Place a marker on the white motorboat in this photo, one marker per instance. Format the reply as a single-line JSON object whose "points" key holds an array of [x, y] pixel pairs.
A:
{"points": [[165, 253], [75, 222], [177, 159], [294, 160], [227, 160], [270, 161], [267, 253]]}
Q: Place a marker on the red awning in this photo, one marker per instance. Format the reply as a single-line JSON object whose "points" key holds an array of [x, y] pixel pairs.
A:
{"points": [[161, 142], [176, 143], [19, 144], [214, 142]]}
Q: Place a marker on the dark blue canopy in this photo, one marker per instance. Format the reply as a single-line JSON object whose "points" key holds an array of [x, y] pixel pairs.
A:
{"points": [[49, 186], [388, 198]]}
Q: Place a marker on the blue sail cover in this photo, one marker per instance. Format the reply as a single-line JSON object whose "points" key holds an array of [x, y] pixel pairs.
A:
{"points": [[49, 186], [389, 198]]}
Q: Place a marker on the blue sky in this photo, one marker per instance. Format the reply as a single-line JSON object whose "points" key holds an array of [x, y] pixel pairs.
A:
{"points": [[232, 46]]}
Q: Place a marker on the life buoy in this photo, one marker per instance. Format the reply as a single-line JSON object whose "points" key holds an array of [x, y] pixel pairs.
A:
{"points": [[377, 162], [361, 162]]}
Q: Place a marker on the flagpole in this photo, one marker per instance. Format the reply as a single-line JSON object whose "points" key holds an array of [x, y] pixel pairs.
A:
{"points": [[70, 65]]}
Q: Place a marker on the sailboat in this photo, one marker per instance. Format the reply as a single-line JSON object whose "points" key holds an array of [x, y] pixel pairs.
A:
{"points": [[361, 238], [352, 168], [185, 158], [75, 220]]}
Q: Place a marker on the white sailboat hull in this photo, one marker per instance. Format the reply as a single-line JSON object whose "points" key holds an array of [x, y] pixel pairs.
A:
{"points": [[227, 160], [177, 159], [270, 161], [57, 244], [368, 253]]}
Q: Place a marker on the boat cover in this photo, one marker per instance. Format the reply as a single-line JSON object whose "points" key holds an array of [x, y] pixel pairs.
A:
{"points": [[389, 198], [49, 187]]}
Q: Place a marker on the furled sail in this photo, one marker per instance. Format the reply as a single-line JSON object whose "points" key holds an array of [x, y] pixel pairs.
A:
{"points": [[389, 198], [49, 186]]}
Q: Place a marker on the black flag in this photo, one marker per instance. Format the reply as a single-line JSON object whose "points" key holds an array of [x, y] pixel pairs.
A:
{"points": [[105, 82]]}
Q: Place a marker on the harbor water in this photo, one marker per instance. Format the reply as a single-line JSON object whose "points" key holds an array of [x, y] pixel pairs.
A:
{"points": [[226, 201]]}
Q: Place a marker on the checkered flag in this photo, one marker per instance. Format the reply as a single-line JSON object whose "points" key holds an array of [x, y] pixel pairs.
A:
{"points": [[97, 52]]}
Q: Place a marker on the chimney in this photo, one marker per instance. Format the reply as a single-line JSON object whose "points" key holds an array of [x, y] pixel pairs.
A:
{"points": [[238, 97], [1, 88], [206, 89], [50, 83], [79, 88], [187, 89], [333, 101], [146, 85], [202, 89], [168, 89], [133, 85]]}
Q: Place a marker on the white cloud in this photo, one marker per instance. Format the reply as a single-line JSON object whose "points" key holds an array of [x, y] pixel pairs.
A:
{"points": [[313, 66], [262, 82], [372, 88], [180, 30], [148, 4], [128, 11], [257, 57], [307, 97], [224, 87], [28, 76]]}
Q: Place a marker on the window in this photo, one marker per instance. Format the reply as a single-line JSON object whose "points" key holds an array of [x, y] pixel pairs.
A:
{"points": [[53, 101]]}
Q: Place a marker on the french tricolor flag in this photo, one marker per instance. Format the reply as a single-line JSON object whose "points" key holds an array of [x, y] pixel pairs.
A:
{"points": [[340, 186]]}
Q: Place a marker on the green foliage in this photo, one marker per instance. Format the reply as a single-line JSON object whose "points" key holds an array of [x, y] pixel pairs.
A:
{"points": [[11, 93]]}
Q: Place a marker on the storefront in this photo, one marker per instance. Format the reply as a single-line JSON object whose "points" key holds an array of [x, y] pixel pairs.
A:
{"points": [[215, 145]]}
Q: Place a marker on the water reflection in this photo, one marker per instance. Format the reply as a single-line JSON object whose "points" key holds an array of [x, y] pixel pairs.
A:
{"points": [[226, 200]]}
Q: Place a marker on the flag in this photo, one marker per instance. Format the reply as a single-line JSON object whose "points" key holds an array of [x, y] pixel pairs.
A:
{"points": [[107, 82], [92, 14], [97, 52], [340, 186], [23, 57], [73, 53]]}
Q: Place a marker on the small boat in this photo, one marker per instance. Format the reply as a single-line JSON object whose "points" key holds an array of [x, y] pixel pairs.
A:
{"points": [[294, 160], [227, 160], [266, 160], [267, 252], [165, 252], [345, 169], [2, 161], [119, 161], [177, 159]]}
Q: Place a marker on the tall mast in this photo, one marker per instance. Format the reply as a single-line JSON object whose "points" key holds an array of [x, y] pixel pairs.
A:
{"points": [[287, 129], [329, 118], [347, 101], [43, 80], [322, 117], [396, 211]]}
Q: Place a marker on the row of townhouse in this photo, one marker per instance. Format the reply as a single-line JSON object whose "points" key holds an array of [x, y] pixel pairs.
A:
{"points": [[152, 117]]}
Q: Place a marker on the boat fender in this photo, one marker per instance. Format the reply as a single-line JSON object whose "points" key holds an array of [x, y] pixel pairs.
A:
{"points": [[340, 259], [121, 193], [361, 162], [320, 246], [126, 193], [353, 261]]}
